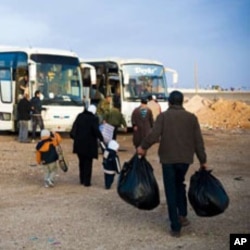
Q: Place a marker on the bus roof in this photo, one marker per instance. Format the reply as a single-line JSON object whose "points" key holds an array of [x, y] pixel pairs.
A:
{"points": [[121, 61], [38, 51]]}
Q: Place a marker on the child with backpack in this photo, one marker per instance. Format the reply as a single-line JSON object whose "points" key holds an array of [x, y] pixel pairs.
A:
{"points": [[111, 163], [47, 155]]}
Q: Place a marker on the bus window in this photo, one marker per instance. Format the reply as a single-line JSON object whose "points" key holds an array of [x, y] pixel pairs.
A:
{"points": [[6, 90], [132, 88]]}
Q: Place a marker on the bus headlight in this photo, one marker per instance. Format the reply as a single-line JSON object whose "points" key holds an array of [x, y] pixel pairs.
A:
{"points": [[5, 116]]}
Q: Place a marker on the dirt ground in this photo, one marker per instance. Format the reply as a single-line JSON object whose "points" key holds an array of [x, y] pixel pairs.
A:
{"points": [[71, 217]]}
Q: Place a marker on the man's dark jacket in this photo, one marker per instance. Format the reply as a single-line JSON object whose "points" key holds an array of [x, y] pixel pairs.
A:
{"points": [[24, 109], [180, 137], [37, 105]]}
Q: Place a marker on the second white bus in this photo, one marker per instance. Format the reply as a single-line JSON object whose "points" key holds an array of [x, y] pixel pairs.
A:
{"points": [[128, 80]]}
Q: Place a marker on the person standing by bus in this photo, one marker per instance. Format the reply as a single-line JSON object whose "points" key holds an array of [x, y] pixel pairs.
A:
{"points": [[104, 107], [23, 86], [142, 122], [23, 112], [154, 106], [37, 120]]}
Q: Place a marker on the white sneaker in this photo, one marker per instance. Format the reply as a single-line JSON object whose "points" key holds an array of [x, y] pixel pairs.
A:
{"points": [[50, 182], [46, 184], [33, 141]]}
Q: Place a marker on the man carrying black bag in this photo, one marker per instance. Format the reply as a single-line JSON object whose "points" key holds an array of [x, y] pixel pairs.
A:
{"points": [[179, 134]]}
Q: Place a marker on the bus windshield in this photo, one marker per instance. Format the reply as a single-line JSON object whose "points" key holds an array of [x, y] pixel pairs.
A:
{"points": [[59, 79], [142, 80]]}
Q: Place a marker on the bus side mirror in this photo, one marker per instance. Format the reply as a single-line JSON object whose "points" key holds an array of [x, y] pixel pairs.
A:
{"points": [[174, 74]]}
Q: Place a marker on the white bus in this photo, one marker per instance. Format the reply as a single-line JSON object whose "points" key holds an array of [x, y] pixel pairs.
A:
{"points": [[129, 80], [55, 73]]}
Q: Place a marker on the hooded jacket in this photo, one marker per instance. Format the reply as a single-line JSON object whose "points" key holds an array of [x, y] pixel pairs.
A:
{"points": [[46, 149], [111, 162]]}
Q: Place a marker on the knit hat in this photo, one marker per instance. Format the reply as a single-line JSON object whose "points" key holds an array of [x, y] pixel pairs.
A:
{"points": [[92, 109], [113, 145], [45, 133]]}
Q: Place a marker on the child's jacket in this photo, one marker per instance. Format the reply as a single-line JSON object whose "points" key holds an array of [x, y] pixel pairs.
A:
{"points": [[111, 162], [46, 149]]}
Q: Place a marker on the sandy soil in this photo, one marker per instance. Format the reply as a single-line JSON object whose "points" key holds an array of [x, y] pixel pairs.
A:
{"points": [[70, 216]]}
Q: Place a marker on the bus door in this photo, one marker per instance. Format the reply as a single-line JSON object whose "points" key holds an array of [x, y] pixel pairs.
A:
{"points": [[88, 79], [7, 112], [114, 90]]}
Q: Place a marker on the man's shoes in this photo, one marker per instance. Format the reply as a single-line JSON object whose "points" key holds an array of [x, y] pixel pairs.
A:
{"points": [[33, 141], [175, 234], [184, 221]]}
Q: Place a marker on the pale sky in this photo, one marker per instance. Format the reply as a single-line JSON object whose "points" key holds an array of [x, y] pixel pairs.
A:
{"points": [[212, 34]]}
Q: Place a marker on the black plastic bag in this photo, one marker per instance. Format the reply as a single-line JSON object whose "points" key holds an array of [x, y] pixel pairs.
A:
{"points": [[206, 194], [137, 184]]}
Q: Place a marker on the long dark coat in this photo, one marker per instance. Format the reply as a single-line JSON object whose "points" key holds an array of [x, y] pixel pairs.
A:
{"points": [[85, 132], [143, 124]]}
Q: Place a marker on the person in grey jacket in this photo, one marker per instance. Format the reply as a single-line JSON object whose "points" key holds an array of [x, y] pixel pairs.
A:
{"points": [[23, 110], [179, 135], [36, 106]]}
